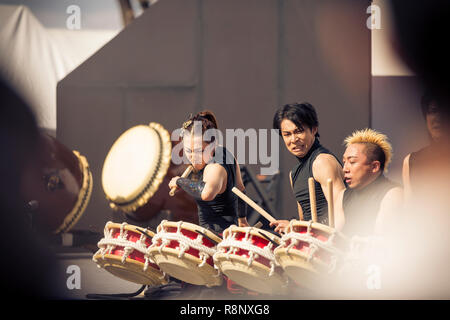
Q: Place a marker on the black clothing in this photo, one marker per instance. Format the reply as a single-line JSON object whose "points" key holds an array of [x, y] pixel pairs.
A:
{"points": [[221, 212], [361, 206], [300, 174]]}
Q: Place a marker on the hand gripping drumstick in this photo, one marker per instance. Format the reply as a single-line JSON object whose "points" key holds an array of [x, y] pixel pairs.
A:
{"points": [[312, 199], [330, 203], [252, 204], [184, 175]]}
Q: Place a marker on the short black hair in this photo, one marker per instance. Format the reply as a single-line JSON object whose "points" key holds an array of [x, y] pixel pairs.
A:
{"points": [[301, 114], [427, 99]]}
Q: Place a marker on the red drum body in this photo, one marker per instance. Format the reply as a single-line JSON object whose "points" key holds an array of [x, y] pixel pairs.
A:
{"points": [[123, 253], [246, 256], [185, 251], [309, 252]]}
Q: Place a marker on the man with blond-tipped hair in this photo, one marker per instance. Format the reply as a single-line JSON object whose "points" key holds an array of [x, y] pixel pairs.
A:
{"points": [[371, 201]]}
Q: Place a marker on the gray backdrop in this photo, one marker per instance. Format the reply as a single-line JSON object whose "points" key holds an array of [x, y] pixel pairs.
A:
{"points": [[239, 58]]}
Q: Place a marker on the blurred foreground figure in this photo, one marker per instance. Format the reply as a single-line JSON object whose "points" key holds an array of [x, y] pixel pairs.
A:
{"points": [[420, 247], [28, 268]]}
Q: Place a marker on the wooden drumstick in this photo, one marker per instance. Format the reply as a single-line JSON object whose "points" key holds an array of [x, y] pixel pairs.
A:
{"points": [[312, 199], [330, 203], [252, 204], [258, 225], [185, 174]]}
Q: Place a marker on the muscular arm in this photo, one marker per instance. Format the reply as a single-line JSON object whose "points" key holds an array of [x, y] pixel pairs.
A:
{"points": [[387, 217], [406, 178], [327, 167], [215, 178]]}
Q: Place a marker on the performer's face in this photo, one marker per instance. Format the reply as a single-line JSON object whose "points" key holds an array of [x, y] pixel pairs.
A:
{"points": [[298, 140], [197, 151], [434, 122], [359, 171]]}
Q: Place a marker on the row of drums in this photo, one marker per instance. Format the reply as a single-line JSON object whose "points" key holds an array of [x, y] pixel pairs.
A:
{"points": [[308, 255]]}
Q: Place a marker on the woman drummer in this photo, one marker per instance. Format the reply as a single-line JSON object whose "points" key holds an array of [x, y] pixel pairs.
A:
{"points": [[217, 171], [299, 128]]}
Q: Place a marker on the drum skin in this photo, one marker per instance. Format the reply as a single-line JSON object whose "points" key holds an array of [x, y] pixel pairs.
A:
{"points": [[56, 186], [181, 206]]}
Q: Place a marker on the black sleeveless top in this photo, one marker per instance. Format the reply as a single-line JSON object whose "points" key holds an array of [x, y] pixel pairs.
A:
{"points": [[361, 206], [300, 174], [221, 212]]}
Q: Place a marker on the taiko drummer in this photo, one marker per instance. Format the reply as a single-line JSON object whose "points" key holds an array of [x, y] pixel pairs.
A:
{"points": [[217, 172], [299, 128]]}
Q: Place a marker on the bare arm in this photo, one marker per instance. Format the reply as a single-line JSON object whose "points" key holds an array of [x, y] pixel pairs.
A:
{"points": [[387, 217], [215, 178], [406, 178], [327, 167], [339, 210]]}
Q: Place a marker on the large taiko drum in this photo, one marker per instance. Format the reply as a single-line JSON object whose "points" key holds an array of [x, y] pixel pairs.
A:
{"points": [[136, 173], [123, 252], [57, 186], [246, 257], [185, 251], [310, 253]]}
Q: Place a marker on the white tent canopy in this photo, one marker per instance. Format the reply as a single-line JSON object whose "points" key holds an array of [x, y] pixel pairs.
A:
{"points": [[31, 62], [33, 59]]}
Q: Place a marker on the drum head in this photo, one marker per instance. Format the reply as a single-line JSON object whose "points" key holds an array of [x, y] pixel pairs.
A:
{"points": [[136, 165], [185, 268], [255, 277], [130, 270]]}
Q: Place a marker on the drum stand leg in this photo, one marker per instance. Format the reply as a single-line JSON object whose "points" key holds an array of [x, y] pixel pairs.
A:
{"points": [[113, 296], [166, 290]]}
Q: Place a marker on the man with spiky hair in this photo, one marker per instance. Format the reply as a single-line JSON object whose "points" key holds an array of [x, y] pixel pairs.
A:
{"points": [[371, 201]]}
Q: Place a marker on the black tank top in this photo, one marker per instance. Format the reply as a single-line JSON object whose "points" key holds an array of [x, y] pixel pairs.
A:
{"points": [[221, 212], [361, 206], [300, 174]]}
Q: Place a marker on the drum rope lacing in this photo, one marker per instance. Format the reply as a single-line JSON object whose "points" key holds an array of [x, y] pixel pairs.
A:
{"points": [[185, 243], [109, 243], [233, 245], [314, 244]]}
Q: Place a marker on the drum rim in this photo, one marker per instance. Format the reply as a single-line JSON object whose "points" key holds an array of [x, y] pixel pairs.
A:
{"points": [[157, 276], [253, 231], [84, 196], [316, 225], [223, 256], [298, 255], [130, 227], [208, 271], [157, 177], [259, 268], [191, 227]]}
